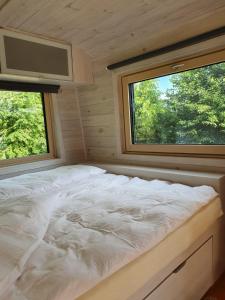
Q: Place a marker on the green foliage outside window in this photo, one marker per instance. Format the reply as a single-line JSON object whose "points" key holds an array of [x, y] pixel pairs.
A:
{"points": [[22, 125], [191, 110]]}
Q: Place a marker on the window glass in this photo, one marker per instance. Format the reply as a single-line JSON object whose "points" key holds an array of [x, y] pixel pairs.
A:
{"points": [[22, 125], [183, 108]]}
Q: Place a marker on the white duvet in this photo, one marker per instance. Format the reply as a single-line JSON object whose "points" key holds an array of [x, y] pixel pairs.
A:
{"points": [[64, 230]]}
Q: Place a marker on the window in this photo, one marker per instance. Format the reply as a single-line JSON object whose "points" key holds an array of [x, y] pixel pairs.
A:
{"points": [[177, 109], [25, 126]]}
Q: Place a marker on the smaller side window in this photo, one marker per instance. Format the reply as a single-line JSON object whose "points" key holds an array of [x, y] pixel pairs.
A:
{"points": [[26, 132]]}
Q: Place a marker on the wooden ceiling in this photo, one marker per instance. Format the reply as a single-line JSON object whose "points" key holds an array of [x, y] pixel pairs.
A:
{"points": [[112, 30]]}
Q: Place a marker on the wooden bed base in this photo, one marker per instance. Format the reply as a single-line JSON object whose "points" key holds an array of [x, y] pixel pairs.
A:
{"points": [[191, 273]]}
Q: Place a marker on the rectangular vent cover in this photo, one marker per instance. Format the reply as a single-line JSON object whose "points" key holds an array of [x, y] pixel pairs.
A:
{"points": [[35, 57]]}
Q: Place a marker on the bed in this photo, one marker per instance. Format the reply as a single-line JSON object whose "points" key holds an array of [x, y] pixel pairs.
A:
{"points": [[77, 232]]}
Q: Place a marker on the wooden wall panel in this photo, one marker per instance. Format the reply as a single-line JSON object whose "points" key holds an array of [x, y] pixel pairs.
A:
{"points": [[70, 123], [98, 116], [99, 131]]}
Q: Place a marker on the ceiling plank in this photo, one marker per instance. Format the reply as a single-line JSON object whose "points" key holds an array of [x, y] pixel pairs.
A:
{"points": [[114, 30]]}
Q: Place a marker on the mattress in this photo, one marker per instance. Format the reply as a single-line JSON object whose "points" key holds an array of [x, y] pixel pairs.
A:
{"points": [[126, 282], [64, 231]]}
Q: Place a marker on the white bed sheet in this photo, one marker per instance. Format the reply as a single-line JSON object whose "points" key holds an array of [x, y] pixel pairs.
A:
{"points": [[90, 227]]}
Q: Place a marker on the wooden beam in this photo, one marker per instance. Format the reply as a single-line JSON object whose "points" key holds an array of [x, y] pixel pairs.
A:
{"points": [[179, 45]]}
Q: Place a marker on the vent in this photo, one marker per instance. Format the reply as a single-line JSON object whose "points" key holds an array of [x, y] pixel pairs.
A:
{"points": [[34, 57]]}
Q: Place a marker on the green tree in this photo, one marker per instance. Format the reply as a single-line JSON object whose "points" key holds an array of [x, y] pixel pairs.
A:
{"points": [[192, 111], [154, 123], [22, 129], [198, 99]]}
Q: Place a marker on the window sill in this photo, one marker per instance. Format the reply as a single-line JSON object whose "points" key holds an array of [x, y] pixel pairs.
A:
{"points": [[174, 162], [17, 169]]}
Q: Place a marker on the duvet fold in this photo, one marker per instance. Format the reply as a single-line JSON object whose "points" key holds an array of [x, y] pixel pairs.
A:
{"points": [[23, 224]]}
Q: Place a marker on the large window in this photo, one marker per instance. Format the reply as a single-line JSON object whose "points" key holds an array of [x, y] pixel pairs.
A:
{"points": [[176, 109], [25, 126]]}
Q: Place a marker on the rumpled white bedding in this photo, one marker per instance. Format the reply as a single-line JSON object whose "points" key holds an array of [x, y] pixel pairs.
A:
{"points": [[64, 230]]}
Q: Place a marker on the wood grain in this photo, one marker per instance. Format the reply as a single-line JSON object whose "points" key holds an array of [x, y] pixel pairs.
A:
{"points": [[106, 29], [82, 67], [70, 125]]}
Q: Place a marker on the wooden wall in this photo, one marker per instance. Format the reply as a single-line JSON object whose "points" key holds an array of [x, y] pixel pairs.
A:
{"points": [[68, 126], [100, 115]]}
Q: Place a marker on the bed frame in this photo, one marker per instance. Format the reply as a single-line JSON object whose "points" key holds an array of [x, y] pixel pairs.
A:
{"points": [[189, 275]]}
